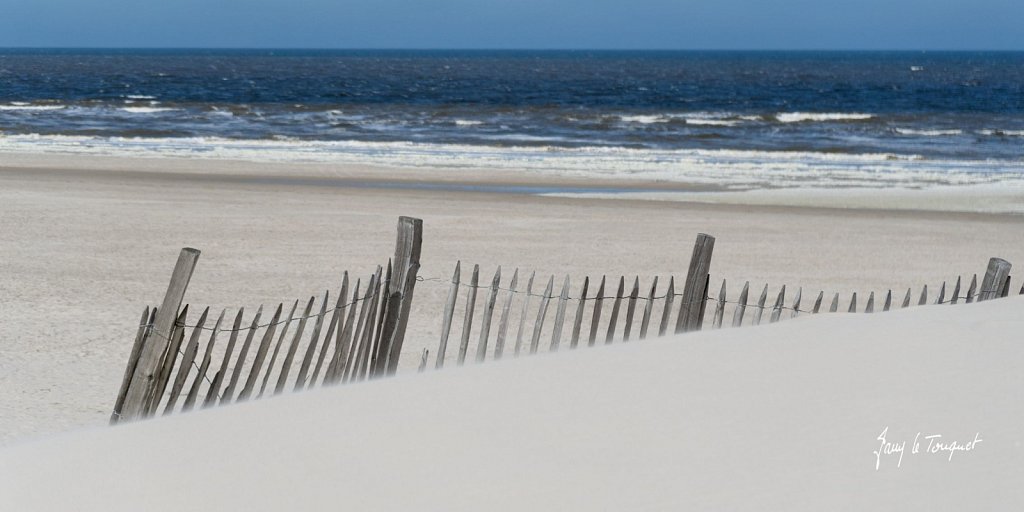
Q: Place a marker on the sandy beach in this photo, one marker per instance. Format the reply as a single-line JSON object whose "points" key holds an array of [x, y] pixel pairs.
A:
{"points": [[86, 243]]}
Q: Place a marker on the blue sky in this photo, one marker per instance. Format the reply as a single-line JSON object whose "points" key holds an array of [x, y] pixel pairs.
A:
{"points": [[501, 24]]}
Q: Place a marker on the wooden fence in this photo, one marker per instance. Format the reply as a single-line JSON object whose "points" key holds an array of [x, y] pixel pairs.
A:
{"points": [[361, 335], [362, 338], [591, 312]]}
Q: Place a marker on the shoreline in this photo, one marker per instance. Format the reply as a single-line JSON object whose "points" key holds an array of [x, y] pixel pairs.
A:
{"points": [[986, 199]]}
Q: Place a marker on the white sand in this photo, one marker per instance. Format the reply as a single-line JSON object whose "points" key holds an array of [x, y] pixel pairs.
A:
{"points": [[782, 417], [83, 250]]}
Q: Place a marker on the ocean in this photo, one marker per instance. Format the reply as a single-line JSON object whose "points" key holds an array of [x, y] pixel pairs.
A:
{"points": [[740, 119]]}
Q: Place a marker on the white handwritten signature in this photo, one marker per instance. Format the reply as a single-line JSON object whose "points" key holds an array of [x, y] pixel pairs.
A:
{"points": [[935, 444]]}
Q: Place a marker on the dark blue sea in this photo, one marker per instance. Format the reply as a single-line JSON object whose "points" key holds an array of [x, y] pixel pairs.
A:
{"points": [[955, 110]]}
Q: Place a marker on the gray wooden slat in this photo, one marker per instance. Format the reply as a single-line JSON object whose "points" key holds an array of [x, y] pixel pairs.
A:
{"points": [[834, 307], [670, 297], [193, 392], [314, 341], [167, 363], [337, 315], [906, 300], [408, 246], [596, 318], [261, 355], [870, 307], [796, 302], [994, 280], [523, 313], [343, 341], [779, 301], [293, 347], [853, 303], [703, 304], [467, 321], [133, 360], [542, 312], [924, 296], [716, 322], [631, 309], [485, 323], [645, 322], [942, 294], [556, 328], [135, 404], [423, 361], [613, 320], [741, 306], [191, 349], [695, 289], [236, 372], [375, 304], [971, 290], [356, 343], [446, 319], [888, 301], [364, 332], [379, 345], [277, 347], [759, 312], [213, 394], [577, 324], [956, 292], [499, 342], [817, 302]]}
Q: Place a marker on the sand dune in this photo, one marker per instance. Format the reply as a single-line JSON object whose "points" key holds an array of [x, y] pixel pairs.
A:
{"points": [[786, 416]]}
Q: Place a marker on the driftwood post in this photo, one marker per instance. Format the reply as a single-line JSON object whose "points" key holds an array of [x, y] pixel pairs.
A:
{"points": [[995, 279], [408, 244], [156, 342], [695, 293]]}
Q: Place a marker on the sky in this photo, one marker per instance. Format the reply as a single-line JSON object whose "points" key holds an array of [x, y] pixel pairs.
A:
{"points": [[517, 24]]}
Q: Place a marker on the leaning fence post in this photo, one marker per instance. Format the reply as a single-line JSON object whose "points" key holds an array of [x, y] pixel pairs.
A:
{"points": [[695, 294], [403, 283], [155, 344], [995, 279]]}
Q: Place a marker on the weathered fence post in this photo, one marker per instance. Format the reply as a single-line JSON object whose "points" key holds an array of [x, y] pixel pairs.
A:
{"points": [[400, 289], [995, 279], [695, 293], [158, 338]]}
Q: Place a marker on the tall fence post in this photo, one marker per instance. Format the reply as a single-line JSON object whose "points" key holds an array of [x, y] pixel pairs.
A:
{"points": [[695, 293], [400, 289], [158, 338], [995, 279]]}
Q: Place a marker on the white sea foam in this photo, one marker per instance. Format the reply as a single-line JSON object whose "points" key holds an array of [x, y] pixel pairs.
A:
{"points": [[730, 168], [928, 133], [692, 118], [713, 122], [146, 110], [467, 122], [18, 105], [140, 97], [644, 119], [799, 117]]}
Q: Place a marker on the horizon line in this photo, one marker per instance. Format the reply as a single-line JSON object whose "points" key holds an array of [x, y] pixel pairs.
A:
{"points": [[449, 49]]}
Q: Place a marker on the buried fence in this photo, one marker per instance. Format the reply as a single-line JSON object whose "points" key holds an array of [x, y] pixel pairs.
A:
{"points": [[360, 335], [528, 321]]}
